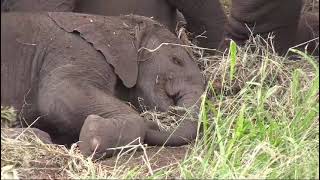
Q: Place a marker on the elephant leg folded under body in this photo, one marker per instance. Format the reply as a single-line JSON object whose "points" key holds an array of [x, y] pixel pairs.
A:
{"points": [[261, 17]]}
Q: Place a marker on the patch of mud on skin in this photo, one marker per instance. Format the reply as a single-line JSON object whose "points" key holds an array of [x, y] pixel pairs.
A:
{"points": [[159, 157]]}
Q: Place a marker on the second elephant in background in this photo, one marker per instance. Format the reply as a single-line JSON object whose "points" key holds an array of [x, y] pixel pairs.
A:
{"points": [[283, 18], [308, 33], [203, 17]]}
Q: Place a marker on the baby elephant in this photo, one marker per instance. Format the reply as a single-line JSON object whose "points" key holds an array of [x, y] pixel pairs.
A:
{"points": [[72, 72]]}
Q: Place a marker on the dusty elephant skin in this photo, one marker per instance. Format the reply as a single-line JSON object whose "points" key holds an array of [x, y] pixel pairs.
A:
{"points": [[204, 17], [71, 69]]}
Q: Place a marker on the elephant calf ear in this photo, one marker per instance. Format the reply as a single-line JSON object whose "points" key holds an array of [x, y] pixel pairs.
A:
{"points": [[109, 35]]}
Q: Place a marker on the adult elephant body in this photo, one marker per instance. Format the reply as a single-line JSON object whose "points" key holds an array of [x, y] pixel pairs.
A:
{"points": [[204, 17], [308, 33], [71, 69], [159, 10], [283, 18], [37, 5]]}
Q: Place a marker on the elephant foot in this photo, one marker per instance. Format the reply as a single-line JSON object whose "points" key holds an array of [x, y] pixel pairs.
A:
{"points": [[98, 135], [91, 140]]}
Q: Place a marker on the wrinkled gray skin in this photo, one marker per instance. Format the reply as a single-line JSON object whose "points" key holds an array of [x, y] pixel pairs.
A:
{"points": [[204, 17], [282, 17], [71, 69]]}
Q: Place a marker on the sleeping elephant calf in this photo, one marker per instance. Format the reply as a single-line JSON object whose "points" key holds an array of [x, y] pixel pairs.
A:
{"points": [[71, 69]]}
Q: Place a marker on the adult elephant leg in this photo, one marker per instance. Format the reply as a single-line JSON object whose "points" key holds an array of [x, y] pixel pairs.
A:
{"points": [[71, 95], [203, 16], [308, 33], [281, 17]]}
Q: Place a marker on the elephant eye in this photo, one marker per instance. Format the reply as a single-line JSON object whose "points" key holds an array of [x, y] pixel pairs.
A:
{"points": [[177, 61]]}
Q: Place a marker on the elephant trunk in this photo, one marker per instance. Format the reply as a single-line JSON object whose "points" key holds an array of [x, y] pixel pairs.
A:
{"points": [[187, 129]]}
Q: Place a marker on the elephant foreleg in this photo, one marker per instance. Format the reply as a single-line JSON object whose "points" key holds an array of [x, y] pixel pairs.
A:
{"points": [[73, 106]]}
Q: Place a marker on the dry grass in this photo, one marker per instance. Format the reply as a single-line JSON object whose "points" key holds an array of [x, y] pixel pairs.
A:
{"points": [[311, 6]]}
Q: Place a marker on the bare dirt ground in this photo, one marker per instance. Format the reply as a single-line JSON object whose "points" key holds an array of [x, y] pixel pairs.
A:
{"points": [[159, 157], [34, 160]]}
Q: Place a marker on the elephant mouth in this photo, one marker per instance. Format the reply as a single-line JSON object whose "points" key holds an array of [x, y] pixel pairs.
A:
{"points": [[176, 98]]}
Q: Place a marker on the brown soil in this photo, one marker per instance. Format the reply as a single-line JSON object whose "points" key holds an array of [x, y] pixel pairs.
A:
{"points": [[159, 157], [54, 165]]}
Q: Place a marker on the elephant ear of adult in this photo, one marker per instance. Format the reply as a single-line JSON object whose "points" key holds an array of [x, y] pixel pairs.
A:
{"points": [[110, 36]]}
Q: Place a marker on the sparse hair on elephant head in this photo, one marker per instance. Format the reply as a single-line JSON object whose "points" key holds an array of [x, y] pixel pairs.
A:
{"points": [[167, 72]]}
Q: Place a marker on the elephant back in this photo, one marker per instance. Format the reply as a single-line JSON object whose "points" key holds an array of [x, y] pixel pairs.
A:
{"points": [[24, 38]]}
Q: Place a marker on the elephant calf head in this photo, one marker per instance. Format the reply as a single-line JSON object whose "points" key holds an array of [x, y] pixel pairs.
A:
{"points": [[167, 72]]}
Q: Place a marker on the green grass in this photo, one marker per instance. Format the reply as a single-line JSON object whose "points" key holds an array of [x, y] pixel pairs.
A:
{"points": [[267, 128]]}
